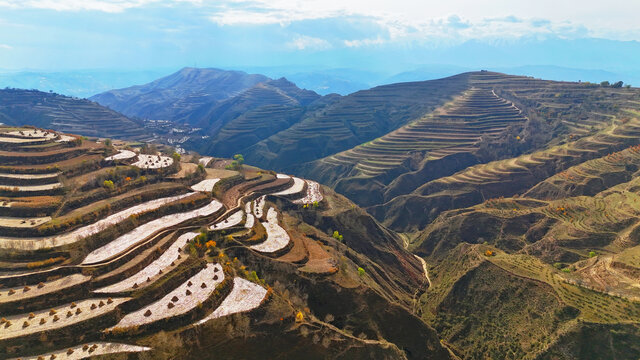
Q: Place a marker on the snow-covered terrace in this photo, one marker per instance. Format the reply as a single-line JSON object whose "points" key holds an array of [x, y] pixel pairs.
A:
{"points": [[25, 292], [297, 187], [57, 317], [277, 237], [133, 237], [121, 155], [179, 301], [205, 185], [152, 161], [88, 350], [245, 296], [153, 270], [313, 194], [233, 220], [85, 231], [258, 206]]}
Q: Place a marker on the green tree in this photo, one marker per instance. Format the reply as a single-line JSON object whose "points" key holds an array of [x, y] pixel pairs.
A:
{"points": [[176, 157], [108, 184], [361, 271], [239, 158], [336, 235], [108, 142], [592, 254], [237, 162], [605, 83]]}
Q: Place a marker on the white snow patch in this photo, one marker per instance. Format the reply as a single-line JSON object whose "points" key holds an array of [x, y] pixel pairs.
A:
{"points": [[28, 188], [15, 222], [231, 221], [205, 160], [16, 329], [141, 232], [85, 231], [65, 138], [258, 206], [121, 155], [277, 237], [153, 161], [297, 187], [245, 296], [313, 193], [29, 176], [93, 349], [250, 221], [161, 310], [36, 290], [153, 269], [33, 133], [20, 140], [205, 185]]}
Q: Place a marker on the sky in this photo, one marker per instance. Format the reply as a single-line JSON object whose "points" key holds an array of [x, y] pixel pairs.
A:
{"points": [[365, 35]]}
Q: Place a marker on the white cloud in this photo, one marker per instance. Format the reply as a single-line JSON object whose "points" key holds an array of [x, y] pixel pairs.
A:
{"points": [[413, 19], [364, 42], [6, 47], [108, 6], [302, 42], [614, 18]]}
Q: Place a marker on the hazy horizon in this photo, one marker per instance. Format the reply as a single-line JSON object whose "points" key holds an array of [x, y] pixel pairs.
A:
{"points": [[327, 46]]}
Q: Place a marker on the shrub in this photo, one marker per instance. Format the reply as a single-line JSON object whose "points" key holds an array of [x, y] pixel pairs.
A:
{"points": [[336, 235], [237, 162], [592, 254], [361, 271], [108, 184]]}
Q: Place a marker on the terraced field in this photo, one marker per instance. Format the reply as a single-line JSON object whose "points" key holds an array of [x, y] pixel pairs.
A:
{"points": [[127, 252], [352, 120], [457, 127], [66, 114]]}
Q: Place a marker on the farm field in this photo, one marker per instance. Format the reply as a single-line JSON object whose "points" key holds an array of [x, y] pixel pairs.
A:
{"points": [[128, 253]]}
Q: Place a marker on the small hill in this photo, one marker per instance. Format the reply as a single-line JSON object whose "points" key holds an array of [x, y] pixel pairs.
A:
{"points": [[176, 96], [66, 114]]}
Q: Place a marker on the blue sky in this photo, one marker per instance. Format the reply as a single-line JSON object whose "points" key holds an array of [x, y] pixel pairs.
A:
{"points": [[81, 34], [309, 35]]}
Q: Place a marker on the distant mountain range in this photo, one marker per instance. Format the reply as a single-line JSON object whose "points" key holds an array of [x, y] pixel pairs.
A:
{"points": [[177, 96], [343, 81]]}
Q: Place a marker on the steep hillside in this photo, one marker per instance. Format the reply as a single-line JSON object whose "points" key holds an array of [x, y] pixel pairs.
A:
{"points": [[453, 129], [176, 96], [278, 93], [66, 114], [114, 252], [351, 120], [425, 166], [612, 123]]}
